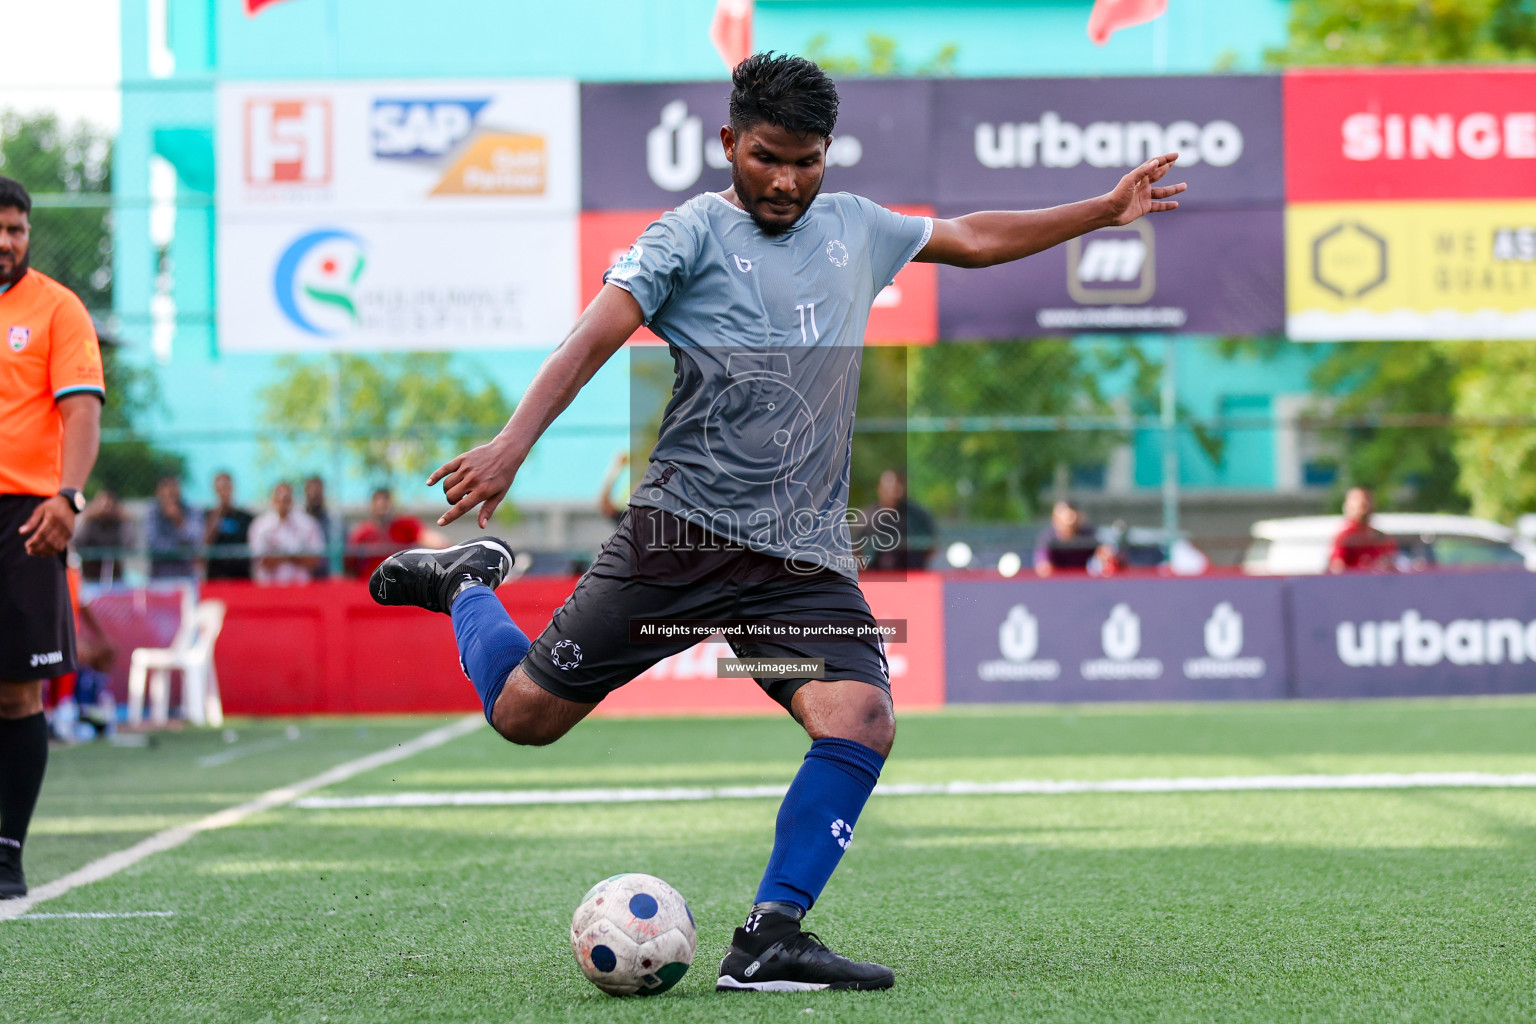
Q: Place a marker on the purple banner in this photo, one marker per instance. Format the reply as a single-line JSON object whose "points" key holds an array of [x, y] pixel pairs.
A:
{"points": [[650, 147], [1394, 636], [1019, 143], [1148, 639], [1207, 272]]}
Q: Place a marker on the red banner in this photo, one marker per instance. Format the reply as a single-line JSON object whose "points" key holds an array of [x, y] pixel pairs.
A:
{"points": [[1410, 134]]}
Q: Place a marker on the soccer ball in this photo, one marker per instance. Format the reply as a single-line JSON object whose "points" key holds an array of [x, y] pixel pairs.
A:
{"points": [[633, 935]]}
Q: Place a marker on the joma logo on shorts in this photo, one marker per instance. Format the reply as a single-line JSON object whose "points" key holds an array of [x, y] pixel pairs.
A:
{"points": [[51, 658]]}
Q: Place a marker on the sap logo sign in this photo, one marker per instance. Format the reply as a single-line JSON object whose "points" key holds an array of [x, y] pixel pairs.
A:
{"points": [[406, 129]]}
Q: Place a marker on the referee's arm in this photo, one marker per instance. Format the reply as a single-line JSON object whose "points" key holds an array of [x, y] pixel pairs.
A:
{"points": [[52, 523], [1002, 236], [484, 474]]}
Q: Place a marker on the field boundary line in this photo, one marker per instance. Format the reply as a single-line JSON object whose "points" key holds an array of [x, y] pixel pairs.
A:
{"points": [[1019, 787], [170, 838]]}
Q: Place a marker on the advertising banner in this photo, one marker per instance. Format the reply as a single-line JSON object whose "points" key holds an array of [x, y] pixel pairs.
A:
{"points": [[650, 147], [1218, 272], [1022, 143], [414, 215], [1410, 635], [1121, 639], [361, 284], [1411, 270], [431, 148], [1449, 133], [906, 312]]}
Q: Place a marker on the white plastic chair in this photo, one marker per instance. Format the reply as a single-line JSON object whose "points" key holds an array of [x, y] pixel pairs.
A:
{"points": [[190, 653]]}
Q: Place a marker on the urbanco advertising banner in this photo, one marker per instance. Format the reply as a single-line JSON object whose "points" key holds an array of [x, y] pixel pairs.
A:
{"points": [[1205, 271], [653, 146], [1117, 639], [1421, 133], [1412, 270], [905, 312], [1023, 143], [1411, 635], [404, 215]]}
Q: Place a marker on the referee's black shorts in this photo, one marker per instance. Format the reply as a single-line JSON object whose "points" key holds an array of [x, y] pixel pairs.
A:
{"points": [[37, 624], [586, 652]]}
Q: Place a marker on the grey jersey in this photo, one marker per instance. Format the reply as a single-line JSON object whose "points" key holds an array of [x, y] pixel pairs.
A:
{"points": [[767, 336]]}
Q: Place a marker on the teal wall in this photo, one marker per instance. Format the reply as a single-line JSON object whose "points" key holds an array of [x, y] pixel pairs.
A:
{"points": [[209, 398]]}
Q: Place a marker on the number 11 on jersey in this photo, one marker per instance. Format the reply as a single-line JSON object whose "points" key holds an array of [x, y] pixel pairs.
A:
{"points": [[802, 309]]}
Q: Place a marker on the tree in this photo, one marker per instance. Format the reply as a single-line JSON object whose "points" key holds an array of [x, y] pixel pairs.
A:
{"points": [[1431, 467], [1409, 32], [68, 170], [882, 59], [1497, 462], [388, 415]]}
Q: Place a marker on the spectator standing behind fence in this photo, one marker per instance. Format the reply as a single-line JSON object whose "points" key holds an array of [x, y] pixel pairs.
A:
{"points": [[175, 533], [286, 542], [1069, 544], [228, 534], [383, 533], [897, 533], [1359, 546], [314, 505], [103, 538]]}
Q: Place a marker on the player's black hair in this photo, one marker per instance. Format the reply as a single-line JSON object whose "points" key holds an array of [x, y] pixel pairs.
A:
{"points": [[784, 91], [13, 196]]}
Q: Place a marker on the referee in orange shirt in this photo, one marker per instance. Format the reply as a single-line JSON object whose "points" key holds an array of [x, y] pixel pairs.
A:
{"points": [[51, 391]]}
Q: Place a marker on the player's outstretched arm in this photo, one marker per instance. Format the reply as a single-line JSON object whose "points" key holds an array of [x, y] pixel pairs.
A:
{"points": [[986, 239], [482, 475]]}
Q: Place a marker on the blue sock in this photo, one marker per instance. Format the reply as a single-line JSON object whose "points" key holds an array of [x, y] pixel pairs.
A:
{"points": [[490, 644], [816, 820]]}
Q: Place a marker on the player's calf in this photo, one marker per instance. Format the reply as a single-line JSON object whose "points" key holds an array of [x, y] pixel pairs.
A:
{"points": [[527, 714]]}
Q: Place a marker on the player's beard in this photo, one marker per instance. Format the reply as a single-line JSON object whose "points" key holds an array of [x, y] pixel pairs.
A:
{"points": [[18, 268], [749, 201]]}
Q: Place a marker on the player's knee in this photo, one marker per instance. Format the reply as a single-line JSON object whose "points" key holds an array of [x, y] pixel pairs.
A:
{"points": [[20, 700], [527, 732]]}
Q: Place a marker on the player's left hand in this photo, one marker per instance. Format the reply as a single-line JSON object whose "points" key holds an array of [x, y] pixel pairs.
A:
{"points": [[1138, 194], [482, 474], [49, 527]]}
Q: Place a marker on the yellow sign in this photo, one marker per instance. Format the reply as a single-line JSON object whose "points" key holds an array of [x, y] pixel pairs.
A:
{"points": [[1380, 270], [498, 163]]}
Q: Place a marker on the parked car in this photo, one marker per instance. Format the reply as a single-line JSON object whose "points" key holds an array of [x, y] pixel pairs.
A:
{"points": [[1299, 546]]}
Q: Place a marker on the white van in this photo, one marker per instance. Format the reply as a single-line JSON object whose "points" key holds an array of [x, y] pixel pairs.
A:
{"points": [[1299, 546]]}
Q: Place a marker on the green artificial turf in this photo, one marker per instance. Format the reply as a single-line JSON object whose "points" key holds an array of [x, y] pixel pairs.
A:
{"points": [[1349, 906]]}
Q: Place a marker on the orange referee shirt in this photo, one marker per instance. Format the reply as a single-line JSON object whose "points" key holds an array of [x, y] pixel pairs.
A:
{"points": [[48, 350]]}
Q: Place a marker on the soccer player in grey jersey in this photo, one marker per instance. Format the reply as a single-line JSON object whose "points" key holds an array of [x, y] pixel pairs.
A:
{"points": [[762, 293]]}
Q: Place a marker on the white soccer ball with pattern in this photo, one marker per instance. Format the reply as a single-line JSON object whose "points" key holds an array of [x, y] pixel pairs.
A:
{"points": [[633, 935]]}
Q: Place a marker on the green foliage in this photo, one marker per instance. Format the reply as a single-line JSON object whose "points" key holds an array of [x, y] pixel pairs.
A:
{"points": [[65, 168], [1000, 474], [391, 415], [1409, 32], [1494, 381], [1371, 382], [881, 59]]}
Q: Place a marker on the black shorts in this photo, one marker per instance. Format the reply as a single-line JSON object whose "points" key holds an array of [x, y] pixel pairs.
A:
{"points": [[37, 624], [652, 569]]}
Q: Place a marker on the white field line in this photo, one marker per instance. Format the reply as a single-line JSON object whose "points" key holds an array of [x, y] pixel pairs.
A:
{"points": [[1035, 787], [97, 916], [234, 753], [112, 863]]}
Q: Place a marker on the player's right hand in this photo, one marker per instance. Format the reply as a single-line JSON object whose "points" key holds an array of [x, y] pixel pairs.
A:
{"points": [[481, 476]]}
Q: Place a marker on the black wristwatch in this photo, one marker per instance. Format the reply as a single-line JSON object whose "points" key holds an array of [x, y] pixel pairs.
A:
{"points": [[75, 498]]}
